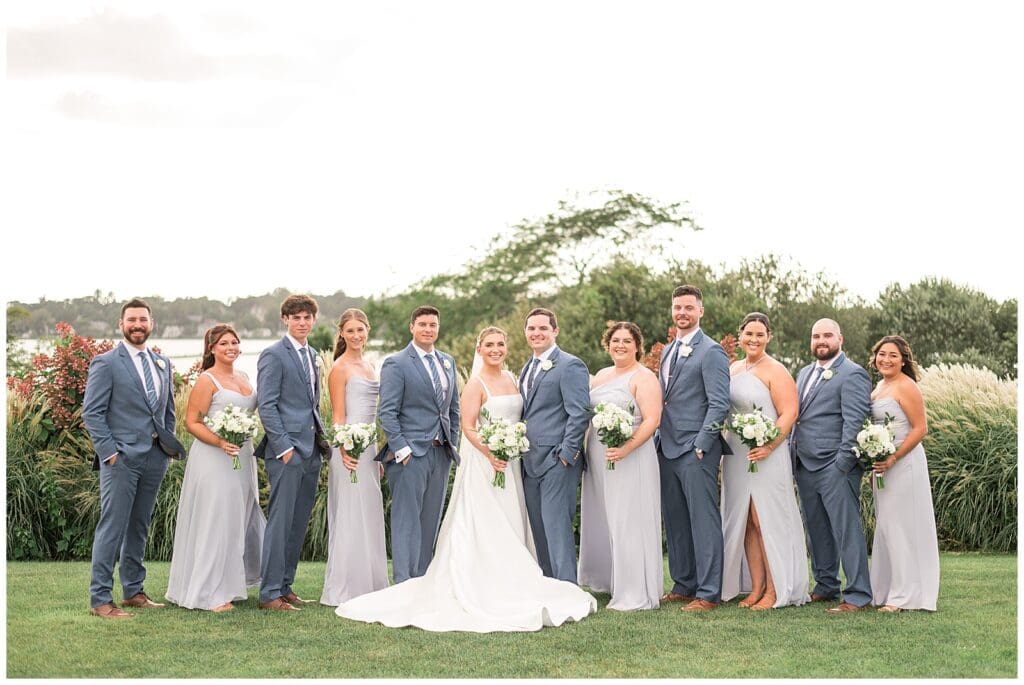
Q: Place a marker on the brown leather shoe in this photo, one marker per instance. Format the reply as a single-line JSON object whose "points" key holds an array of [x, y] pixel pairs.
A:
{"points": [[673, 597], [141, 601], [700, 605], [294, 599], [109, 611], [279, 604], [815, 597], [843, 608]]}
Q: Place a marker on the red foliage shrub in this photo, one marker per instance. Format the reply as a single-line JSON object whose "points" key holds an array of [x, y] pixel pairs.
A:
{"points": [[60, 377]]}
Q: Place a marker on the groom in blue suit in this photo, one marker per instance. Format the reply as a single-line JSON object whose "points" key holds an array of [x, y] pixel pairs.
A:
{"points": [[128, 411], [835, 398], [419, 412], [695, 388], [556, 391], [288, 396]]}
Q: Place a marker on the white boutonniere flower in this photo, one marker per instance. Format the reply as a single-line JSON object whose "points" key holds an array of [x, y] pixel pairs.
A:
{"points": [[447, 364], [160, 363], [685, 350], [547, 365], [827, 374]]}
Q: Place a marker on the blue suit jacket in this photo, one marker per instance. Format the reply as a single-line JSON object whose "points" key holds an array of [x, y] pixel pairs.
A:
{"points": [[408, 410], [556, 411], [289, 412], [115, 411], [831, 416], [696, 398]]}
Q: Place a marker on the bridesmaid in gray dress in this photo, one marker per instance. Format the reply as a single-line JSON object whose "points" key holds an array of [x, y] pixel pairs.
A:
{"points": [[620, 513], [219, 531], [765, 547], [905, 551], [356, 557]]}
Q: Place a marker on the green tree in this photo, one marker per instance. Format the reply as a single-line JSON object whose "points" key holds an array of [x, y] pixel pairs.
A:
{"points": [[536, 259], [946, 322]]}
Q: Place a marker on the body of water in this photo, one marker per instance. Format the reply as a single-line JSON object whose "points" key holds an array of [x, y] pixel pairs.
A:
{"points": [[184, 352]]}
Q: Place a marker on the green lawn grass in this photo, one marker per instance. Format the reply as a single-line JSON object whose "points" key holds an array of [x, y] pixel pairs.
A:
{"points": [[50, 634]]}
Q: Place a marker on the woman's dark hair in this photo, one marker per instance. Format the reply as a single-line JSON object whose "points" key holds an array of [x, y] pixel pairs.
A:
{"points": [[346, 316], [909, 365], [634, 332], [211, 338], [755, 316]]}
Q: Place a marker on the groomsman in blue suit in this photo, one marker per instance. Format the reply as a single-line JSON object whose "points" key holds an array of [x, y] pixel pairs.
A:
{"points": [[288, 396], [695, 388], [835, 398], [556, 398], [128, 411], [419, 412]]}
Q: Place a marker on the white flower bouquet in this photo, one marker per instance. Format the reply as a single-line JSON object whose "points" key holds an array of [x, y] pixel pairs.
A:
{"points": [[354, 438], [506, 440], [234, 424], [614, 426], [875, 442], [753, 429]]}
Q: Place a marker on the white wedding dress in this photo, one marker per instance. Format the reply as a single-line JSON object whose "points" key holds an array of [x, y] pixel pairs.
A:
{"points": [[484, 576]]}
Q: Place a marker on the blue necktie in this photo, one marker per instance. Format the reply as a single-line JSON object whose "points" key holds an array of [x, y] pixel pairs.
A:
{"points": [[151, 399], [533, 375], [673, 356], [438, 388], [304, 358], [818, 370]]}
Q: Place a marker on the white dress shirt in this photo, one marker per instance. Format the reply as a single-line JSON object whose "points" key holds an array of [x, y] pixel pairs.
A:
{"points": [[542, 357], [813, 382]]}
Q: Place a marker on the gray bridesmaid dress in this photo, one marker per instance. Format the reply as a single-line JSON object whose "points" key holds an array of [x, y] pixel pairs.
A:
{"points": [[773, 492], [905, 551], [218, 535], [356, 558], [620, 515]]}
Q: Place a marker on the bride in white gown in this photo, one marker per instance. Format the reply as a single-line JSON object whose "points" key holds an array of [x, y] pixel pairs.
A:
{"points": [[484, 576]]}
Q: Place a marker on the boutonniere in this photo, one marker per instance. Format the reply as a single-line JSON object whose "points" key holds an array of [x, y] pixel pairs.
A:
{"points": [[685, 350], [827, 374], [160, 363], [447, 364], [547, 365]]}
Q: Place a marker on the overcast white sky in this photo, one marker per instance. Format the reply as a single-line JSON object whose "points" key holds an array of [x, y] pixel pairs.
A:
{"points": [[227, 148]]}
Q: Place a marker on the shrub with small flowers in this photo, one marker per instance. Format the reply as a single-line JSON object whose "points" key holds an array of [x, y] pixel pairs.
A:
{"points": [[60, 376]]}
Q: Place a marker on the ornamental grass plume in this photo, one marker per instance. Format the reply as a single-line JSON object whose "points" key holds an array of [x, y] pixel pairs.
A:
{"points": [[972, 456], [971, 449]]}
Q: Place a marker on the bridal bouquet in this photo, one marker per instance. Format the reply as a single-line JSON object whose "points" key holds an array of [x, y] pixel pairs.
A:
{"points": [[753, 429], [506, 440], [234, 424], [876, 442], [614, 426], [354, 438]]}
